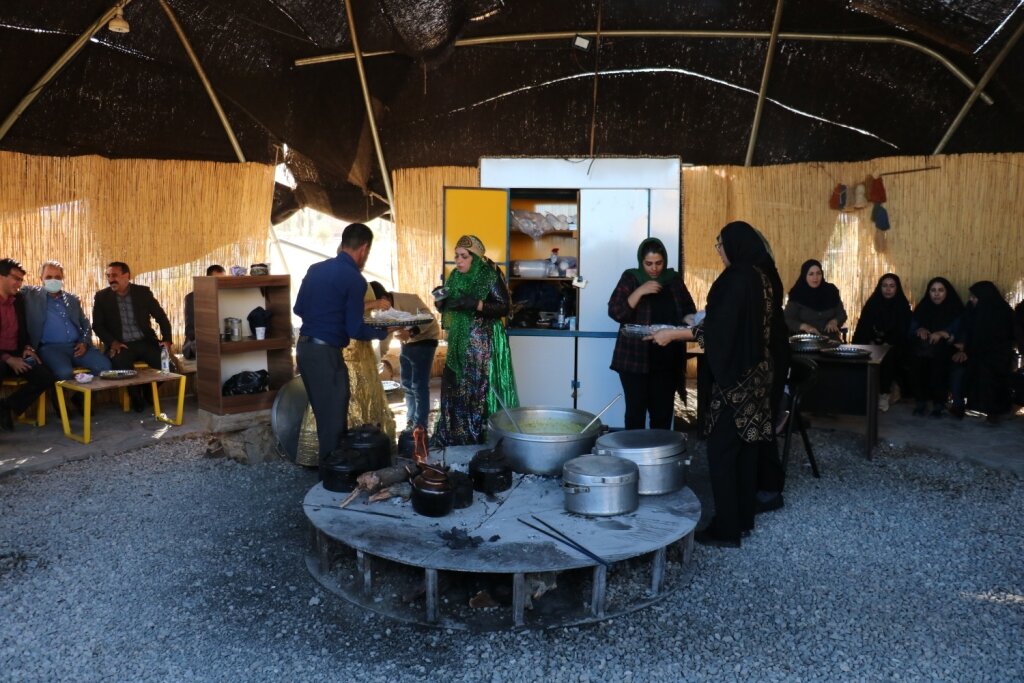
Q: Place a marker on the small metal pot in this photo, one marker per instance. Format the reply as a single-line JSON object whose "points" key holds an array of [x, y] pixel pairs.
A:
{"points": [[600, 485], [660, 455]]}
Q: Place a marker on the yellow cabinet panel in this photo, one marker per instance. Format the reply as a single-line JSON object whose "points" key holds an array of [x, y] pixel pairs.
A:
{"points": [[480, 212]]}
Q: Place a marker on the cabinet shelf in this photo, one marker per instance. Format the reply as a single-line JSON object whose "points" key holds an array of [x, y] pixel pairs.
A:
{"points": [[246, 345], [560, 278]]}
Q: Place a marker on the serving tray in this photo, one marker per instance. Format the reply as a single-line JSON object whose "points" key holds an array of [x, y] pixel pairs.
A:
{"points": [[398, 322], [845, 352], [118, 374], [647, 330]]}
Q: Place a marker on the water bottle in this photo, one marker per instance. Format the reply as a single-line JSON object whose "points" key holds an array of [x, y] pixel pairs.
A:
{"points": [[560, 322], [165, 360]]}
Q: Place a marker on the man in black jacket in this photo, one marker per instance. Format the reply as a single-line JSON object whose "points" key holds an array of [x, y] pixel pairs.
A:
{"points": [[121, 318], [17, 357]]}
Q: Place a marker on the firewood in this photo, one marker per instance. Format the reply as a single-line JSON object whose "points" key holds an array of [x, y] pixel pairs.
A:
{"points": [[402, 489], [373, 481]]}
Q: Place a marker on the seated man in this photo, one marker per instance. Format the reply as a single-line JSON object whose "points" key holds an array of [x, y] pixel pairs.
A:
{"points": [[17, 357], [188, 348], [57, 327], [121, 318]]}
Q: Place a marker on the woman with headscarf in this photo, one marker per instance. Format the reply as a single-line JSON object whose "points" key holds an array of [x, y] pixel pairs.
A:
{"points": [[478, 352], [885, 319], [736, 338], [933, 326], [984, 352], [650, 294], [814, 306]]}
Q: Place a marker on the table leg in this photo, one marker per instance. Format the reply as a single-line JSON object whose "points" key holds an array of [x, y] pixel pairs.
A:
{"points": [[519, 599], [365, 564], [86, 436], [597, 597], [872, 408], [657, 570], [180, 415], [430, 583]]}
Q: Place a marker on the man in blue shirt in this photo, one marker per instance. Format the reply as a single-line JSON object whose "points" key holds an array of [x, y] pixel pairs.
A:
{"points": [[330, 303], [57, 327]]}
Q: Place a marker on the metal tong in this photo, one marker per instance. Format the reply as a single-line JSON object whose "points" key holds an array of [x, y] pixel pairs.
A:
{"points": [[562, 538]]}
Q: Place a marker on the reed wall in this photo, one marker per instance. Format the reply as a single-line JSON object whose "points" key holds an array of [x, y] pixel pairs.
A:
{"points": [[168, 220]]}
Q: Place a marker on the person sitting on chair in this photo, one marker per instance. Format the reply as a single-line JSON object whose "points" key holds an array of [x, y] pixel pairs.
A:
{"points": [[121, 318], [58, 328]]}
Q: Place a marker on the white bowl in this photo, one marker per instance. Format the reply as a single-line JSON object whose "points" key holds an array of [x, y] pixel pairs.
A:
{"points": [[83, 378]]}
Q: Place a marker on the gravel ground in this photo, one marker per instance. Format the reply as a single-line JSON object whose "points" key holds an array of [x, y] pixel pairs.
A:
{"points": [[162, 565]]}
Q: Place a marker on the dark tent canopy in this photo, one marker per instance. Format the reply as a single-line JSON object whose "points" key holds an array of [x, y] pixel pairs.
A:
{"points": [[847, 80]]}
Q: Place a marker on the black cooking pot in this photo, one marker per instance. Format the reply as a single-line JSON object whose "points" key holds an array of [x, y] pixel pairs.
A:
{"points": [[462, 485], [371, 441], [406, 445], [339, 470], [432, 493], [490, 471]]}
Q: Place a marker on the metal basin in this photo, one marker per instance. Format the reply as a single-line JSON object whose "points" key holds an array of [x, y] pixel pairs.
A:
{"points": [[536, 453]]}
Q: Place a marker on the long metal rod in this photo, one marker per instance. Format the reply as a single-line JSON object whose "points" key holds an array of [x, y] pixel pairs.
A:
{"points": [[369, 109], [206, 81], [989, 73], [769, 58], [61, 62], [728, 35]]}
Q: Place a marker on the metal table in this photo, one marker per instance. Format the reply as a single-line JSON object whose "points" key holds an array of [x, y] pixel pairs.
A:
{"points": [[405, 538]]}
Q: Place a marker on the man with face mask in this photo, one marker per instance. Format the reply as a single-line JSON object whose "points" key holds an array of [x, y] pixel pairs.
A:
{"points": [[57, 326]]}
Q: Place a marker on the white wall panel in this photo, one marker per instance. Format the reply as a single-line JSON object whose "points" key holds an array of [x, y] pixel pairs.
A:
{"points": [[599, 383], [544, 369]]}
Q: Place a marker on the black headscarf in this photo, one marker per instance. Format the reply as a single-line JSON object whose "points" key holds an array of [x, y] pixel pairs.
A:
{"points": [[881, 319], [935, 318], [825, 295], [734, 326], [991, 320]]}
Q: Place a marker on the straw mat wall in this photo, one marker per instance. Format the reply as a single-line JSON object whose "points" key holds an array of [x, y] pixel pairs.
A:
{"points": [[962, 221], [167, 220], [419, 194]]}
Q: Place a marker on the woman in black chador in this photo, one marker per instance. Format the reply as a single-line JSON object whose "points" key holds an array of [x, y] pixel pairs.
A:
{"points": [[735, 336], [935, 322], [814, 305], [984, 352], [885, 319]]}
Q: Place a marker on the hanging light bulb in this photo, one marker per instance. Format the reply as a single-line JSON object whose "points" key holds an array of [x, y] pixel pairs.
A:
{"points": [[119, 24]]}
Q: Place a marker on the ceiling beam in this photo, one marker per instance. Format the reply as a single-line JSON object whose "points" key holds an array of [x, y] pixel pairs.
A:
{"points": [[61, 62], [898, 18], [768, 59], [989, 73], [206, 81], [369, 109], [727, 35]]}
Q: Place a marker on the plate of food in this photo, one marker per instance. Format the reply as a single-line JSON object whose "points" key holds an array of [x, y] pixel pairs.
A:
{"points": [[395, 318], [118, 374], [647, 330], [844, 351]]}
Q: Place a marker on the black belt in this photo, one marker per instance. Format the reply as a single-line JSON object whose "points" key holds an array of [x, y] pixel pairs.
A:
{"points": [[314, 340]]}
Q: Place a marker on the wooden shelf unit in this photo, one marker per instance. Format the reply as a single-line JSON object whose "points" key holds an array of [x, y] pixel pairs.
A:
{"points": [[215, 358]]}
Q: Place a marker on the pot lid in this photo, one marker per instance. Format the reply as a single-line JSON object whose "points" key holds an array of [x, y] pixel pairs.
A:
{"points": [[642, 445], [599, 469]]}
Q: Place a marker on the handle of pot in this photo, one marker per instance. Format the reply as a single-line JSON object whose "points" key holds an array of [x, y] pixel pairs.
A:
{"points": [[597, 450], [569, 488]]}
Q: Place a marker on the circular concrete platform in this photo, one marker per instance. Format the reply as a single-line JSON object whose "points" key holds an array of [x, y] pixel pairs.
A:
{"points": [[386, 558]]}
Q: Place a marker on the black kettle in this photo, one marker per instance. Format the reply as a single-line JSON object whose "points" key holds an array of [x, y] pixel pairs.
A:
{"points": [[338, 471], [371, 442], [490, 470]]}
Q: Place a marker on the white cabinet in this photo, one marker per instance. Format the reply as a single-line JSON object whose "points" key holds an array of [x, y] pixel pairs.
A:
{"points": [[621, 203]]}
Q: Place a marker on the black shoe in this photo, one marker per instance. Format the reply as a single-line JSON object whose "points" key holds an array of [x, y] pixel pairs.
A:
{"points": [[774, 503], [6, 418], [705, 537]]}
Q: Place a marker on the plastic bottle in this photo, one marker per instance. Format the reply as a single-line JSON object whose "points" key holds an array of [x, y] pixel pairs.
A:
{"points": [[165, 360], [560, 323]]}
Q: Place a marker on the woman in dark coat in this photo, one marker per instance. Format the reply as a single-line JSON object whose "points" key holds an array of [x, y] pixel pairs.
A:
{"points": [[814, 305], [649, 294], [934, 324], [736, 338], [885, 319], [981, 364]]}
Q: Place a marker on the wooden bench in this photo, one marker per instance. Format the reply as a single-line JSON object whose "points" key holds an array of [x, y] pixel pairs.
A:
{"points": [[40, 411], [146, 375]]}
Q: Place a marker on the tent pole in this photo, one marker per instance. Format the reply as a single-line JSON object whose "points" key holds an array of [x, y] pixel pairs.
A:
{"points": [[669, 33], [989, 73], [769, 58], [206, 81], [369, 108], [61, 62]]}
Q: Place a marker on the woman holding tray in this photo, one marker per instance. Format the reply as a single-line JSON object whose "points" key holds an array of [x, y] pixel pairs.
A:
{"points": [[650, 294], [479, 362]]}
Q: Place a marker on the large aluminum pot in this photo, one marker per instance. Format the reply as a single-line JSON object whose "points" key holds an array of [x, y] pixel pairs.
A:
{"points": [[600, 485], [659, 453], [531, 452]]}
